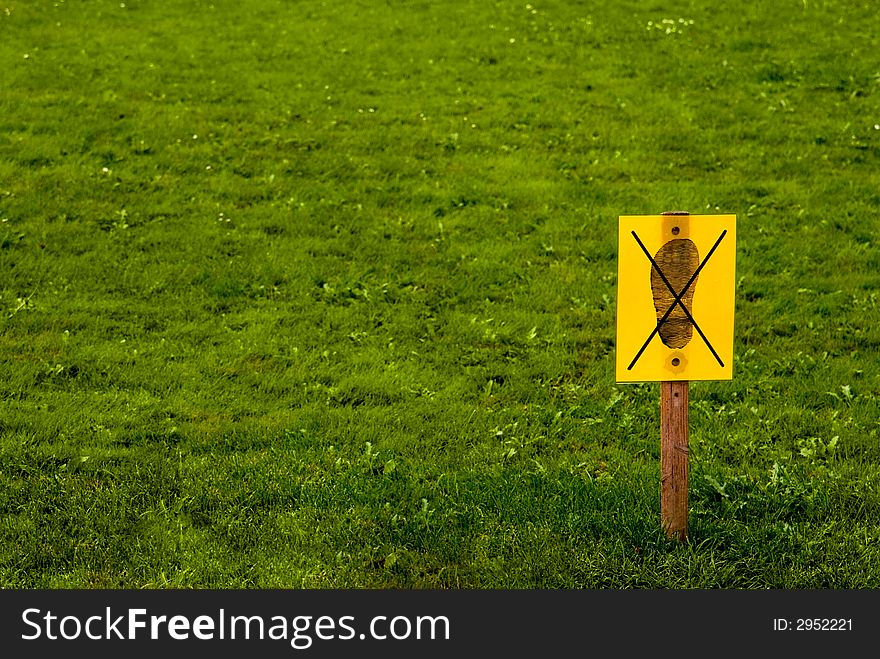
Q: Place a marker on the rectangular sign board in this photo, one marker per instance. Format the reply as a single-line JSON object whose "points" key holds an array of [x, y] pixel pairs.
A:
{"points": [[675, 297]]}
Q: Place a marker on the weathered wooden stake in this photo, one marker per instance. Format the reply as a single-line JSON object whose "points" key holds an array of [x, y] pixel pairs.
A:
{"points": [[674, 458], [674, 453]]}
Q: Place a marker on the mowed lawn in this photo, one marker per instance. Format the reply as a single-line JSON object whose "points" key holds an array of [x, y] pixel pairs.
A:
{"points": [[323, 294]]}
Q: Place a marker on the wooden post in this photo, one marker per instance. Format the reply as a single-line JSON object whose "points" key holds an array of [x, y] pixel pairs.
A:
{"points": [[674, 458], [674, 453]]}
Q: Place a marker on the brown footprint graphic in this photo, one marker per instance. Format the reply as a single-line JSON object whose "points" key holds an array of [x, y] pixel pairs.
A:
{"points": [[678, 260]]}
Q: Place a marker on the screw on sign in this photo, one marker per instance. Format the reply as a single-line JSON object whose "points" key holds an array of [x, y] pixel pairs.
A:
{"points": [[675, 301]]}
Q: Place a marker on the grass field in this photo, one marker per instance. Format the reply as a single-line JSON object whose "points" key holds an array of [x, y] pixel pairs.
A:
{"points": [[322, 294]]}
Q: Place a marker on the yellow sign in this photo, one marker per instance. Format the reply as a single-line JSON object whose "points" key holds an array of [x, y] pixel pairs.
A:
{"points": [[675, 282]]}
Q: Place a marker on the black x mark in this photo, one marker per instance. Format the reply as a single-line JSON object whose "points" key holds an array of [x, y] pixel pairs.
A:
{"points": [[677, 300]]}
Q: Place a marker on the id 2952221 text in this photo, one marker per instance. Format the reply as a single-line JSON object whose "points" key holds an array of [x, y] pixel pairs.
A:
{"points": [[812, 624]]}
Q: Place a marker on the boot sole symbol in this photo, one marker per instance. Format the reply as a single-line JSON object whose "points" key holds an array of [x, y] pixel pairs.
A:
{"points": [[674, 264]]}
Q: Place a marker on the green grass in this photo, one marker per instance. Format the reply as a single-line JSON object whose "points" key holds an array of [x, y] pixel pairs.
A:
{"points": [[302, 294]]}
